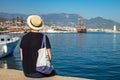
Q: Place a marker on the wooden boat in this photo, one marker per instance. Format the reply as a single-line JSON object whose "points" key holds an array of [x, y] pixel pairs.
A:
{"points": [[81, 30], [7, 45]]}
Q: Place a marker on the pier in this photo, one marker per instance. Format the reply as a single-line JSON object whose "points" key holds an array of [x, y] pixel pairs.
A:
{"points": [[10, 74]]}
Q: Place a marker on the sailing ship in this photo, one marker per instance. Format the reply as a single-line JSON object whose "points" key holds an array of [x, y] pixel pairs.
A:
{"points": [[7, 44], [81, 28]]}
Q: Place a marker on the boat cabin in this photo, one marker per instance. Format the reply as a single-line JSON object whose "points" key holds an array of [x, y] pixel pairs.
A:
{"points": [[5, 38]]}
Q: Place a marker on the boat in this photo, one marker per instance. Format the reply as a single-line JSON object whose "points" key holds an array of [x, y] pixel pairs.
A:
{"points": [[51, 31], [81, 28], [7, 44], [54, 31]]}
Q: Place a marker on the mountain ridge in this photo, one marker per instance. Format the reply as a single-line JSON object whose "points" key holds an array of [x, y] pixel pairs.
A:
{"points": [[71, 20]]}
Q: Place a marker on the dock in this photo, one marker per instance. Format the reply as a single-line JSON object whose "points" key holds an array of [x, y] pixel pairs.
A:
{"points": [[12, 74]]}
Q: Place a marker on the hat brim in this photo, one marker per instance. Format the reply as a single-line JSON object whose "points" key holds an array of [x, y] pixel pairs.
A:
{"points": [[33, 27]]}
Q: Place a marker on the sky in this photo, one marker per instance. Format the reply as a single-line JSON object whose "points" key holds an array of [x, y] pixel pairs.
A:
{"points": [[108, 9]]}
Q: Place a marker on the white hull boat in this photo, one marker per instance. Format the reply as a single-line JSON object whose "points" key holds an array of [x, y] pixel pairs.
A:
{"points": [[7, 45]]}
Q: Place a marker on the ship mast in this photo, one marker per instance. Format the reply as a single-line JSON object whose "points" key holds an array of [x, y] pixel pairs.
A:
{"points": [[81, 27], [81, 23]]}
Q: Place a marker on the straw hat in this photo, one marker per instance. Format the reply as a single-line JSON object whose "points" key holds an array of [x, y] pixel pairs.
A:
{"points": [[35, 22]]}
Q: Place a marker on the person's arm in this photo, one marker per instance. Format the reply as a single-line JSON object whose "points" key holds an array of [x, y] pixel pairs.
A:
{"points": [[49, 54], [21, 54]]}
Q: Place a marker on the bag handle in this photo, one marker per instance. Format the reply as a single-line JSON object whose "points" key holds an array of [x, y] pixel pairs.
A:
{"points": [[43, 41]]}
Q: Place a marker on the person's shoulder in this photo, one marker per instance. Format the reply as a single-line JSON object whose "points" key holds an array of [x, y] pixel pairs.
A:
{"points": [[44, 34], [26, 35], [40, 34]]}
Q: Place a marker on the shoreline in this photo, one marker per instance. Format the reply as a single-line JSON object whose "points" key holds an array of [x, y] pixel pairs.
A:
{"points": [[12, 74]]}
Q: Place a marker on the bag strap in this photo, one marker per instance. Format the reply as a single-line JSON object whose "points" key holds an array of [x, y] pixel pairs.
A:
{"points": [[43, 41]]}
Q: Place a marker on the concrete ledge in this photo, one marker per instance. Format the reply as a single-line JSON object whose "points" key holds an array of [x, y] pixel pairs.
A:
{"points": [[10, 74]]}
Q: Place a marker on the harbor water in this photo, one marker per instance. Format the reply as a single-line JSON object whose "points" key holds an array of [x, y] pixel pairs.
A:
{"points": [[94, 55]]}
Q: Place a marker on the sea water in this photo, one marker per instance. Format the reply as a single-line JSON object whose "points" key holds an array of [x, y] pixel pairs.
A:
{"points": [[94, 55]]}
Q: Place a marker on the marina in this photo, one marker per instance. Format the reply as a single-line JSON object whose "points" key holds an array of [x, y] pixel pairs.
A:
{"points": [[83, 37]]}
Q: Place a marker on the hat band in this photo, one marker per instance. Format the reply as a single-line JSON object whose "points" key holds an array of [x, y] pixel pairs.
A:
{"points": [[36, 26]]}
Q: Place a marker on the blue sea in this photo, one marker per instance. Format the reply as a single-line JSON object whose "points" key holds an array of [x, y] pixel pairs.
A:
{"points": [[94, 55]]}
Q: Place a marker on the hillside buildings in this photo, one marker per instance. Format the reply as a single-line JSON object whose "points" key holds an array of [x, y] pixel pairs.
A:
{"points": [[19, 25]]}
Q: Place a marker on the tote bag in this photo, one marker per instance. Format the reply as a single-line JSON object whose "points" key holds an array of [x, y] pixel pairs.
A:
{"points": [[43, 64]]}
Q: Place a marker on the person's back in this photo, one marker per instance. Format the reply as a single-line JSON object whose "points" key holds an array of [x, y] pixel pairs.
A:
{"points": [[29, 46]]}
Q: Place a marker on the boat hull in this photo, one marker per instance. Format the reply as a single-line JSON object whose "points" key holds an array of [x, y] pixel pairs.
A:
{"points": [[7, 49], [82, 30]]}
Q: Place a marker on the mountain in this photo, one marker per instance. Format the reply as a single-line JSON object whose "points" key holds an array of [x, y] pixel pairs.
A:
{"points": [[61, 19], [100, 22], [8, 15], [71, 20]]}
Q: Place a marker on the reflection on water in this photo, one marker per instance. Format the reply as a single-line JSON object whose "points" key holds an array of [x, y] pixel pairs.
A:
{"points": [[114, 41], [3, 64], [9, 62], [81, 41]]}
